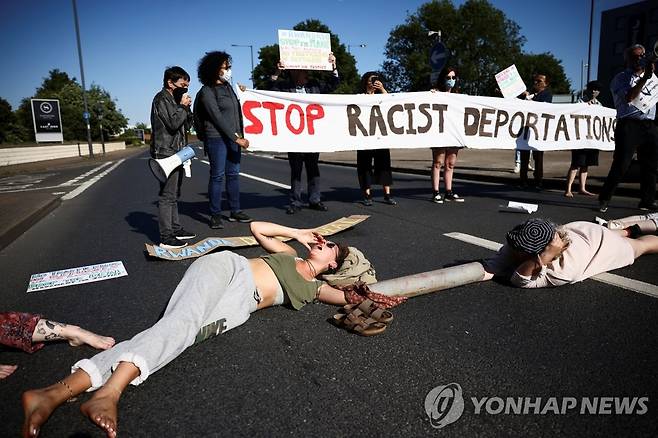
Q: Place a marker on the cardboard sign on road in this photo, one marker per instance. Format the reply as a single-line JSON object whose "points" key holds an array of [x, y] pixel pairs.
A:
{"points": [[210, 244], [304, 50], [69, 277]]}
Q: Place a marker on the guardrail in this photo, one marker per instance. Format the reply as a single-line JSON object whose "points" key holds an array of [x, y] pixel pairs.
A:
{"points": [[10, 156]]}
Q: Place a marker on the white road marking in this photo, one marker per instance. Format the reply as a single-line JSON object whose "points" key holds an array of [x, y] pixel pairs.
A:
{"points": [[606, 277], [92, 181], [75, 180], [31, 189], [256, 178]]}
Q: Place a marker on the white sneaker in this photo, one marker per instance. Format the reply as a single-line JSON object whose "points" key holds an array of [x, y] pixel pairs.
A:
{"points": [[517, 168], [438, 198]]}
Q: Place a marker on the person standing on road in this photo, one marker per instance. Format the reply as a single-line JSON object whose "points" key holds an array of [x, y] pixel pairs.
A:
{"points": [[581, 159], [170, 120], [445, 157], [635, 130], [223, 136], [540, 83], [371, 83], [298, 82]]}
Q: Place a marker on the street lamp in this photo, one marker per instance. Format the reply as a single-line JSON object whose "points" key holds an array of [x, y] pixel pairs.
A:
{"points": [[85, 115], [583, 66], [354, 45], [251, 48]]}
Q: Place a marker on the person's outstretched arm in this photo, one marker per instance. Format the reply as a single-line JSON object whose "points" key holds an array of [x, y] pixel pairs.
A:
{"points": [[267, 234]]}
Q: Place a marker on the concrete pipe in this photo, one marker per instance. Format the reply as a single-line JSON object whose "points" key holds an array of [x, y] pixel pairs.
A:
{"points": [[432, 281]]}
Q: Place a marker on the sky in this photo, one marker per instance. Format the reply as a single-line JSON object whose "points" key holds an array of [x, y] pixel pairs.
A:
{"points": [[127, 44]]}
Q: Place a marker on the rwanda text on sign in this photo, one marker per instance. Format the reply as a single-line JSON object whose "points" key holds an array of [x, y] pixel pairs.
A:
{"points": [[47, 120], [69, 277], [212, 243], [304, 50], [292, 122]]}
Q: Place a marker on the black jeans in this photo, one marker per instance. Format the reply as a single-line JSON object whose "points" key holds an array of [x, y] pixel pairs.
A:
{"points": [[168, 203], [297, 160], [633, 135], [538, 156], [381, 174]]}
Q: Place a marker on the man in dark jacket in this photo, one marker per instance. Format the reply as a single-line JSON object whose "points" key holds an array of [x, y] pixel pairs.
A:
{"points": [[298, 82], [170, 119], [542, 93]]}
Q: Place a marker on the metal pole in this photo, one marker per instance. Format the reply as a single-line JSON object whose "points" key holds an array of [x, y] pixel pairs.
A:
{"points": [[589, 49], [432, 281], [102, 138], [251, 49], [582, 68], [82, 78]]}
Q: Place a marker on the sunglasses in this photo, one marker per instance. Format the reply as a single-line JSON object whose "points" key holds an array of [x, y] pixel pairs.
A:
{"points": [[330, 244], [451, 77]]}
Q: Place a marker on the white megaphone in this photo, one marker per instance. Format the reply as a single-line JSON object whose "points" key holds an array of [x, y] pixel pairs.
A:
{"points": [[164, 166]]}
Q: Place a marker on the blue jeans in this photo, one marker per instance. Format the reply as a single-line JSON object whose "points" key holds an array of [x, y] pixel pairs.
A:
{"points": [[224, 162]]}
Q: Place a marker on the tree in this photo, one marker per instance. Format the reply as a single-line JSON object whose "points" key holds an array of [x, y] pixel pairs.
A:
{"points": [[544, 63], [481, 40], [268, 57], [58, 85], [10, 130]]}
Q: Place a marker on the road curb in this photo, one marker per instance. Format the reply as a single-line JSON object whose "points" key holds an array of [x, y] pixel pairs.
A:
{"points": [[24, 224]]}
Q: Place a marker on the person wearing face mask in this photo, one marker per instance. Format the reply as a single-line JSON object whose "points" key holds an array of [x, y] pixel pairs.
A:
{"points": [[635, 130], [171, 118], [581, 159], [445, 157], [219, 109], [298, 81]]}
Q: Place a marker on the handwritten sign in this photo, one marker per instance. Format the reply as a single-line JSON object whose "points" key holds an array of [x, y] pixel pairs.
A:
{"points": [[510, 82], [210, 244], [648, 97], [304, 50], [69, 277]]}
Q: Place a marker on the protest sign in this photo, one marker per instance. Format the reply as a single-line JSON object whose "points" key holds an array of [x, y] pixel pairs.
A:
{"points": [[292, 122], [648, 96], [304, 50], [510, 82], [68, 277], [210, 244]]}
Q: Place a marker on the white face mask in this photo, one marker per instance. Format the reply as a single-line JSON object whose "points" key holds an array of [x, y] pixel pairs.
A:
{"points": [[226, 77], [450, 83]]}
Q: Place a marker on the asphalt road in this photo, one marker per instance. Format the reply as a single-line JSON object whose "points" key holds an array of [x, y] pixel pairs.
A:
{"points": [[287, 373]]}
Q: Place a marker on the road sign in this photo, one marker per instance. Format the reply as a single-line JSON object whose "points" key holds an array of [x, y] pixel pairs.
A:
{"points": [[85, 115], [438, 56]]}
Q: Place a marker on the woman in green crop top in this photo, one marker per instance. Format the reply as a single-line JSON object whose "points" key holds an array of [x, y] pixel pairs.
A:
{"points": [[217, 293]]}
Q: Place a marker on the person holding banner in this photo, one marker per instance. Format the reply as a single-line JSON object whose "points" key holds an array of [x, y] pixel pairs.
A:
{"points": [[298, 81], [217, 293], [635, 130], [539, 253], [223, 136], [540, 83], [371, 83], [170, 120], [445, 157], [581, 159]]}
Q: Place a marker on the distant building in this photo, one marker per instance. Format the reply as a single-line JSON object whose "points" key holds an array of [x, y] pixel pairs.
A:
{"points": [[620, 28]]}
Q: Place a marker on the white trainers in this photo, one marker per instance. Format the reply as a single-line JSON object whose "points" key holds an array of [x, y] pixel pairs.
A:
{"points": [[437, 198], [517, 168]]}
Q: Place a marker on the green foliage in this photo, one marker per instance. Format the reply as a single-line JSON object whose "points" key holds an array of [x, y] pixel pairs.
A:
{"points": [[547, 64], [58, 85], [481, 40], [268, 57]]}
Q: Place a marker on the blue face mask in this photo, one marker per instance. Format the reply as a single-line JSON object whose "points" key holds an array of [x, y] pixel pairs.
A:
{"points": [[450, 83]]}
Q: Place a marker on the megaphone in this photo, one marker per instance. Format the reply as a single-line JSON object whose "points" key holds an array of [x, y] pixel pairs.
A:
{"points": [[164, 166]]}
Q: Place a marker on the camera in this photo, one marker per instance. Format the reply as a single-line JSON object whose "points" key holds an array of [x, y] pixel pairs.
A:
{"points": [[651, 57], [374, 79]]}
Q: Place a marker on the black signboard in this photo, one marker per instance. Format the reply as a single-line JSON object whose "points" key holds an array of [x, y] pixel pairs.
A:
{"points": [[46, 116]]}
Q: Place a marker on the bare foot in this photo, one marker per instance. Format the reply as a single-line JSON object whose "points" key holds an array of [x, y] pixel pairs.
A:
{"points": [[7, 370], [568, 195], [102, 410], [38, 404], [78, 336], [586, 193]]}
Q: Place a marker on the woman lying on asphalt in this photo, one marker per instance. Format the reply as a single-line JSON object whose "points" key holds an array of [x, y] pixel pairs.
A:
{"points": [[217, 293], [539, 253], [28, 332]]}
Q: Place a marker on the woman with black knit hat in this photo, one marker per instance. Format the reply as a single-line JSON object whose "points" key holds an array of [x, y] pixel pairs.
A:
{"points": [[539, 253]]}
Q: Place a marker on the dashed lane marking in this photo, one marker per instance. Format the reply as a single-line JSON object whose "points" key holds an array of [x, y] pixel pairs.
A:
{"points": [[606, 277], [77, 179], [92, 181], [256, 178]]}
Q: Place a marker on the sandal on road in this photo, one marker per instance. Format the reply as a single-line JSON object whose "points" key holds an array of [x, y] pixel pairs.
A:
{"points": [[370, 309], [358, 324]]}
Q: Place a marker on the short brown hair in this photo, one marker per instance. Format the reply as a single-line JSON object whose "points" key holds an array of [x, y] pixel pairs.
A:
{"points": [[343, 252]]}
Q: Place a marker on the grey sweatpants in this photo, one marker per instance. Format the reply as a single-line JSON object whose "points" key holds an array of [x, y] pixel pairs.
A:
{"points": [[217, 292]]}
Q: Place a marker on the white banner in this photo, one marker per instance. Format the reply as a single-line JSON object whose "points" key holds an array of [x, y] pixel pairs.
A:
{"points": [[69, 277], [293, 122]]}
